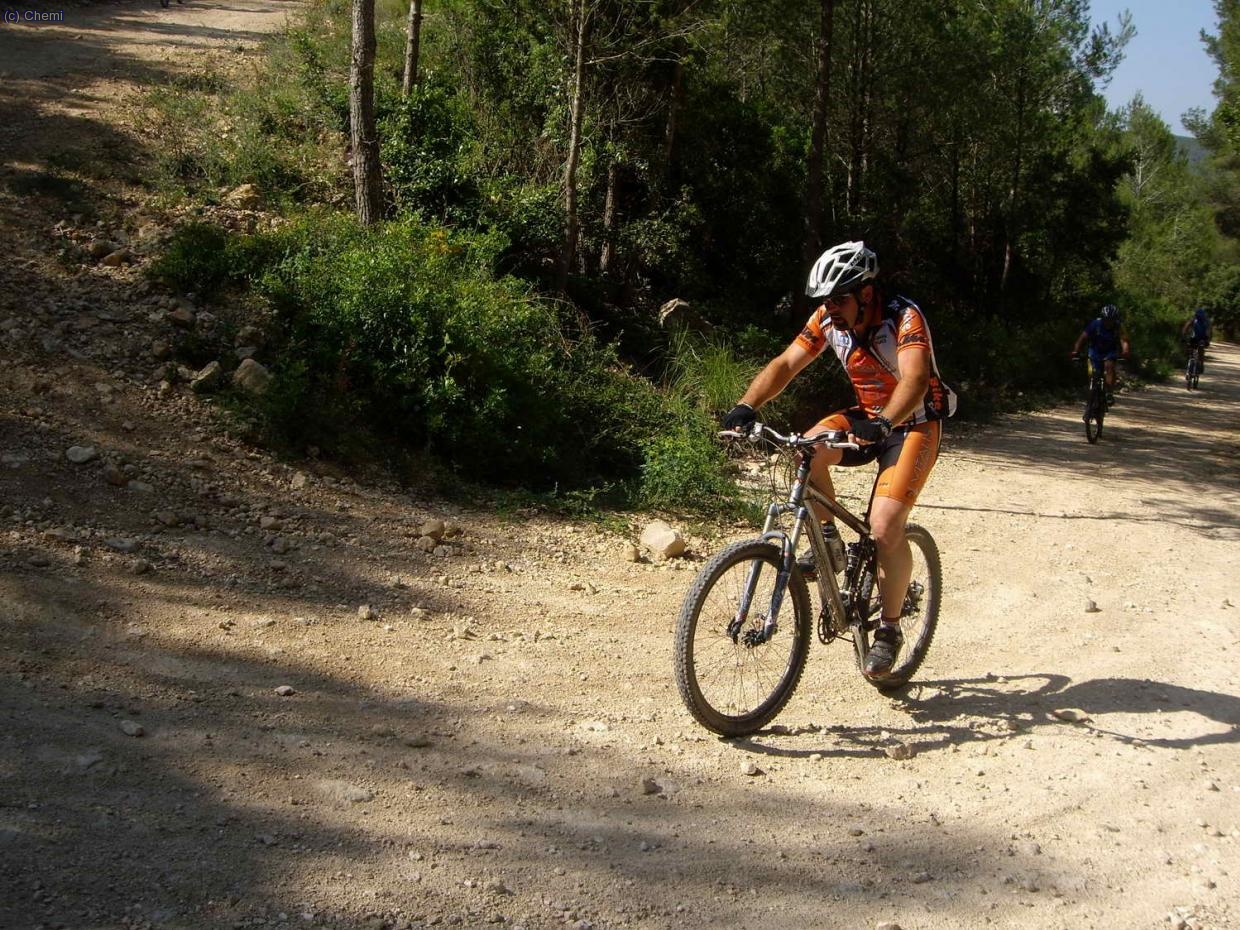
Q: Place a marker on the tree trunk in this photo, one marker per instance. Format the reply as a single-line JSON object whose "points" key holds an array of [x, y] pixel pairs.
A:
{"points": [[955, 190], [577, 108], [1010, 223], [675, 102], [854, 111], [818, 143], [367, 174], [863, 126], [413, 39], [609, 219]]}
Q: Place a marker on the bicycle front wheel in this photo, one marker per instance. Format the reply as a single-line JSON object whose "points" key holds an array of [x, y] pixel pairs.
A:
{"points": [[920, 616], [1094, 408], [733, 679]]}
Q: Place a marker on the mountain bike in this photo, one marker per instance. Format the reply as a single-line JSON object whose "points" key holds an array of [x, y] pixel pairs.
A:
{"points": [[1095, 400], [1192, 371], [745, 627]]}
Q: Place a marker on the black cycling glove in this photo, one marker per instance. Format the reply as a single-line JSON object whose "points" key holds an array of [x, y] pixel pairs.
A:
{"points": [[740, 418], [874, 430]]}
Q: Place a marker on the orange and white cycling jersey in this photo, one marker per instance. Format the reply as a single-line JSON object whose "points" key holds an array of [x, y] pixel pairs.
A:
{"points": [[873, 367]]}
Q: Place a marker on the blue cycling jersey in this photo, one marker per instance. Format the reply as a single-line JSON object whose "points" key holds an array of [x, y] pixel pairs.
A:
{"points": [[1201, 328], [1103, 342]]}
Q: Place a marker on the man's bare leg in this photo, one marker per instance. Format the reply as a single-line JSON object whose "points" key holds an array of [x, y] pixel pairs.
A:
{"points": [[895, 559]]}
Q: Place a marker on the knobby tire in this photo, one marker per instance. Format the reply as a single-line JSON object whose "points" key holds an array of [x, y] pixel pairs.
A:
{"points": [[1095, 408], [917, 645], [795, 621]]}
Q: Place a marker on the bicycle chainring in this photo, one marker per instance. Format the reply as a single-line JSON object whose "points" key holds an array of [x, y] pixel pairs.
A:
{"points": [[829, 630]]}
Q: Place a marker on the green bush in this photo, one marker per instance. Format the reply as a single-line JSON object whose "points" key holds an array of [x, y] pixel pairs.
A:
{"points": [[402, 332], [530, 218], [685, 469], [1153, 328], [426, 141], [1220, 295], [200, 258]]}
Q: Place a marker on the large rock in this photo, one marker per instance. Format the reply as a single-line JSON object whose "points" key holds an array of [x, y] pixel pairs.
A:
{"points": [[183, 317], [248, 335], [679, 314], [101, 247], [252, 377], [662, 541], [206, 321], [434, 529], [208, 379]]}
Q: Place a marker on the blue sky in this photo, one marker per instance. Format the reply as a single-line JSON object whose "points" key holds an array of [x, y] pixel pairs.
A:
{"points": [[1165, 61]]}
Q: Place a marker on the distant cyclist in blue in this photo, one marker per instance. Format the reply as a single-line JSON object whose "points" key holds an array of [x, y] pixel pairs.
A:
{"points": [[1107, 341], [1198, 331]]}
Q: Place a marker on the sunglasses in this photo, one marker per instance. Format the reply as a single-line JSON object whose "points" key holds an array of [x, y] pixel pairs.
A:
{"points": [[837, 301]]}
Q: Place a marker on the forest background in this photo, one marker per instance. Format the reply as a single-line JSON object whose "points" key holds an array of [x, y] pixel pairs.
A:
{"points": [[474, 211]]}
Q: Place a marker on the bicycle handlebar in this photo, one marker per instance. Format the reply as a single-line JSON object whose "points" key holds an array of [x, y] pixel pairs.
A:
{"points": [[1084, 357], [831, 439]]}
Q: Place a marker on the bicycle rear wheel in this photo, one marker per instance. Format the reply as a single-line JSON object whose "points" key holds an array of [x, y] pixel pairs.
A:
{"points": [[920, 617], [732, 681]]}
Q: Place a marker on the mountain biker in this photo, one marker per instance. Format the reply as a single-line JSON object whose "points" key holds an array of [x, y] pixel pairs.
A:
{"points": [[886, 351], [1197, 332], [1107, 341]]}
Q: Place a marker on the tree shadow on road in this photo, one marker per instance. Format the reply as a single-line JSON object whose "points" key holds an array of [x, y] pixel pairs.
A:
{"points": [[373, 802]]}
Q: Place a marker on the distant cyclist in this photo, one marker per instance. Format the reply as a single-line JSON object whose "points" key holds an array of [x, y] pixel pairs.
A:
{"points": [[1197, 332], [886, 351], [1107, 341]]}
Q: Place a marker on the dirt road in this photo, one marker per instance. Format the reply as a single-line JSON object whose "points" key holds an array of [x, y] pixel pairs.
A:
{"points": [[234, 692]]}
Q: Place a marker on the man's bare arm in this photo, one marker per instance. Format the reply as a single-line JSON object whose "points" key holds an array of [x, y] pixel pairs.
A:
{"points": [[911, 388]]}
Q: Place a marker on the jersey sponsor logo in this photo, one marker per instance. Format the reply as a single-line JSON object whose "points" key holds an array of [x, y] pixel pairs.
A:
{"points": [[935, 401], [913, 339]]}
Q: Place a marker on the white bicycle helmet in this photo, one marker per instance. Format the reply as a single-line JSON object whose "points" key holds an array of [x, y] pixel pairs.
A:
{"points": [[840, 270]]}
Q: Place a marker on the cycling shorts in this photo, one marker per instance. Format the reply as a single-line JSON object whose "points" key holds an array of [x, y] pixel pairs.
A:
{"points": [[904, 458], [1099, 357]]}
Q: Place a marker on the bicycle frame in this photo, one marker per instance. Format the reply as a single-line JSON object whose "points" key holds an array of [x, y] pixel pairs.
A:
{"points": [[804, 521], [1097, 373], [1196, 353], [1097, 384]]}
